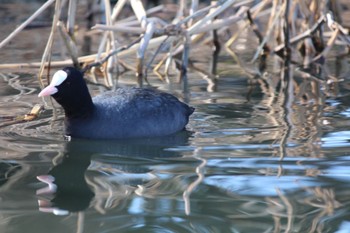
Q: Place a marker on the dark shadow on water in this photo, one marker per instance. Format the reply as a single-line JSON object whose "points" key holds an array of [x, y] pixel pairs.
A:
{"points": [[67, 188]]}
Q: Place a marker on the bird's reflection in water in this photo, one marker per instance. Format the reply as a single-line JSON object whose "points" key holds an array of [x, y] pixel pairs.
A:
{"points": [[114, 167]]}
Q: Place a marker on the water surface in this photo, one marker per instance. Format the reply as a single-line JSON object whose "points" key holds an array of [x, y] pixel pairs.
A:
{"points": [[259, 154], [246, 164]]}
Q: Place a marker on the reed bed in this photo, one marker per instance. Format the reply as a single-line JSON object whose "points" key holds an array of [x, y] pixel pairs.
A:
{"points": [[302, 32]]}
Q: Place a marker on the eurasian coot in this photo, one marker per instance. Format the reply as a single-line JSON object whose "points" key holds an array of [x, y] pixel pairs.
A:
{"points": [[124, 113]]}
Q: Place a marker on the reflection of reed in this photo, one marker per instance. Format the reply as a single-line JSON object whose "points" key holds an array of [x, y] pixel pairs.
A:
{"points": [[296, 103], [108, 195], [15, 82], [200, 172], [115, 193], [321, 203]]}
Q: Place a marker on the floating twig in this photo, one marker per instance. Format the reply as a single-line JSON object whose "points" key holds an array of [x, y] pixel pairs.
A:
{"points": [[32, 115]]}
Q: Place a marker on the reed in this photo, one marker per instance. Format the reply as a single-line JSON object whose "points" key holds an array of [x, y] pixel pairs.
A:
{"points": [[296, 35], [299, 31]]}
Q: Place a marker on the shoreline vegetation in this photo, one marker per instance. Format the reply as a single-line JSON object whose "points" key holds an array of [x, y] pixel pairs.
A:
{"points": [[303, 33]]}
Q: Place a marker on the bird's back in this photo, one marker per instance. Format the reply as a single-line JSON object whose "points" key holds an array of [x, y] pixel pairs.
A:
{"points": [[132, 113]]}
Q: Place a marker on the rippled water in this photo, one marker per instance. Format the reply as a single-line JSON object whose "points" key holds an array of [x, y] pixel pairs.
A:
{"points": [[258, 156], [246, 164]]}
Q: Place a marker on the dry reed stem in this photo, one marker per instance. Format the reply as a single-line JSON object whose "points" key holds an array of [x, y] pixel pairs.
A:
{"points": [[256, 30], [202, 12], [140, 12], [148, 12], [143, 46], [69, 43], [200, 33], [220, 23], [310, 51], [305, 34], [118, 28], [154, 56], [117, 9], [120, 52], [72, 9], [181, 9], [256, 12], [48, 48], [333, 25], [329, 46], [169, 61], [273, 12], [149, 27], [286, 29], [268, 34], [111, 63], [206, 19], [193, 29], [185, 57], [101, 48], [194, 6], [25, 23], [112, 53]]}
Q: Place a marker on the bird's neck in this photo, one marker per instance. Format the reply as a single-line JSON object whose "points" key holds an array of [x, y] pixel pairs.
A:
{"points": [[79, 106], [79, 111]]}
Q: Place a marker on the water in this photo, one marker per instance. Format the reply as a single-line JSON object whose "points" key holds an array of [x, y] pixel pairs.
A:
{"points": [[258, 156], [244, 165]]}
